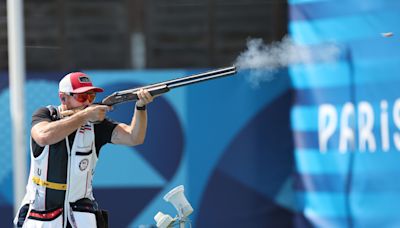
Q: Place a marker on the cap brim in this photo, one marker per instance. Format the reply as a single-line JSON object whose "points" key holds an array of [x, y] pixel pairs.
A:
{"points": [[88, 88]]}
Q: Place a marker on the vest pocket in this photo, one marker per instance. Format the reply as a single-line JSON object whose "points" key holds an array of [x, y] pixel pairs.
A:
{"points": [[82, 161], [84, 212], [84, 219], [79, 153]]}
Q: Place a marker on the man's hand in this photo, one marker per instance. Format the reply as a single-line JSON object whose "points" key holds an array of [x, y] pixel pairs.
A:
{"points": [[144, 98], [96, 113]]}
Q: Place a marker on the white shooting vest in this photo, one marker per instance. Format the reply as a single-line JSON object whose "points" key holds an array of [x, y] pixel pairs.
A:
{"points": [[82, 159]]}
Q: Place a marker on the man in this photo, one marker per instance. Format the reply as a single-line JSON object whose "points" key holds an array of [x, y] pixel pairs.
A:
{"points": [[64, 152]]}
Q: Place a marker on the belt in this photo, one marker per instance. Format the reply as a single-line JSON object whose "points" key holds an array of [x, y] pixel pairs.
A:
{"points": [[48, 184], [45, 215]]}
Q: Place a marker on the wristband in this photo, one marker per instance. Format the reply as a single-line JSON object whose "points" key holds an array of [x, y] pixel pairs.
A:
{"points": [[142, 108]]}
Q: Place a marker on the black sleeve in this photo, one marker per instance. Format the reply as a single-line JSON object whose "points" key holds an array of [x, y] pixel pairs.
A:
{"points": [[103, 132], [40, 115]]}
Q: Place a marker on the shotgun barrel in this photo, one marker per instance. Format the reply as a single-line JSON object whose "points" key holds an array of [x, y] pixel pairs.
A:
{"points": [[163, 87]]}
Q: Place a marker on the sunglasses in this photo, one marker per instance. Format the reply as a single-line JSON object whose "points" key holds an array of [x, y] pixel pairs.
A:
{"points": [[82, 97]]}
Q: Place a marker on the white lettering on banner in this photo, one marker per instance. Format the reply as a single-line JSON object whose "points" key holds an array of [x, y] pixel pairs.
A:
{"points": [[363, 133], [327, 121], [396, 120], [384, 126], [346, 131], [365, 125]]}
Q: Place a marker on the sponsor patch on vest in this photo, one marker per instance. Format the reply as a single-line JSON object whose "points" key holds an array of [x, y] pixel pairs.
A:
{"points": [[83, 164]]}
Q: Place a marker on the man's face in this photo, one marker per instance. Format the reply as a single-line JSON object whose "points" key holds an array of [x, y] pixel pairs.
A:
{"points": [[78, 100]]}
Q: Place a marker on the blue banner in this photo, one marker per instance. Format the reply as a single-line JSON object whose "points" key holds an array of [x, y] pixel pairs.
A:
{"points": [[345, 117]]}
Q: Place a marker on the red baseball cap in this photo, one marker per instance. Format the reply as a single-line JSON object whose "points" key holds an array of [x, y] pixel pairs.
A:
{"points": [[77, 82]]}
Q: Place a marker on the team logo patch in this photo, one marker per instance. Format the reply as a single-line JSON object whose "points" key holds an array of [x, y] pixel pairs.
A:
{"points": [[83, 164]]}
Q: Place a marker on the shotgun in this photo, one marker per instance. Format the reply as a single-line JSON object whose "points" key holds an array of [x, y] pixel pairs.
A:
{"points": [[160, 88], [163, 87]]}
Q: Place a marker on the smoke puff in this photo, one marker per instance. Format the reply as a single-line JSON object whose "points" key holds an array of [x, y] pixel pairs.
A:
{"points": [[264, 60]]}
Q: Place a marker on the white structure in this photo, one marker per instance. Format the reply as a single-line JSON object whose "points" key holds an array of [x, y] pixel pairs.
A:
{"points": [[16, 62], [177, 198]]}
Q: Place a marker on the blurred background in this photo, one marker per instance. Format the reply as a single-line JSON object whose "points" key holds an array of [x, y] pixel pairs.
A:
{"points": [[122, 34], [305, 135]]}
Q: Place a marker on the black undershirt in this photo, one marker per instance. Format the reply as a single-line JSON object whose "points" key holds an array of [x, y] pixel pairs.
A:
{"points": [[102, 131]]}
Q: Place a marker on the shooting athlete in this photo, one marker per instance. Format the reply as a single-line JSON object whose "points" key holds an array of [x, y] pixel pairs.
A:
{"points": [[64, 152]]}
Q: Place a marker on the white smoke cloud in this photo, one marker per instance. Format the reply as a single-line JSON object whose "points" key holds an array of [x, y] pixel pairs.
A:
{"points": [[264, 60]]}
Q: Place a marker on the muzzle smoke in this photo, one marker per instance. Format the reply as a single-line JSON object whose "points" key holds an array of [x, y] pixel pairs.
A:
{"points": [[263, 60]]}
